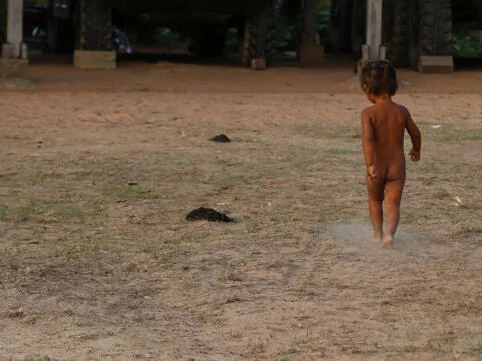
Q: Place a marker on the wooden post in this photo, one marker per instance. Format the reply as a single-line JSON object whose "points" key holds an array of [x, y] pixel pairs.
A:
{"points": [[373, 49], [374, 29], [15, 27]]}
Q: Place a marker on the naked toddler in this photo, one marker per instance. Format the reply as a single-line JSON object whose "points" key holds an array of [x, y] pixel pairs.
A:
{"points": [[383, 128]]}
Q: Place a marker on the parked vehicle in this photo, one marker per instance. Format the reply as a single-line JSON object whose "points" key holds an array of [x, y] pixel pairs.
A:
{"points": [[41, 29], [411, 28], [204, 22]]}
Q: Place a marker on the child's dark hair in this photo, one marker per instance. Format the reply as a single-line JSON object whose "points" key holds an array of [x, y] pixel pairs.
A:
{"points": [[379, 77]]}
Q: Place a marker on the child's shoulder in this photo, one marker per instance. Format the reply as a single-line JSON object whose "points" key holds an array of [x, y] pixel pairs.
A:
{"points": [[405, 112], [402, 108], [368, 110]]}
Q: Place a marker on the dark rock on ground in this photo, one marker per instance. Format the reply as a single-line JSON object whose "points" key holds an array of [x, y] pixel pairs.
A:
{"points": [[221, 138], [207, 214]]}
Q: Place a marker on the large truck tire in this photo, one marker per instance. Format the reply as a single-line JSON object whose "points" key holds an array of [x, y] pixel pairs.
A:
{"points": [[61, 35], [430, 29], [340, 24], [358, 27], [260, 35], [212, 42], [395, 32], [95, 31]]}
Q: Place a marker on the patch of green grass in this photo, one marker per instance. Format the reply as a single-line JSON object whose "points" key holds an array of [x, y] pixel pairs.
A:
{"points": [[291, 351], [128, 192], [473, 136], [233, 173], [76, 212], [75, 249], [46, 212], [98, 210], [158, 252], [455, 135], [3, 212], [81, 175], [253, 225], [314, 130], [323, 131], [41, 178], [341, 151], [26, 212], [188, 239], [427, 167], [477, 349]]}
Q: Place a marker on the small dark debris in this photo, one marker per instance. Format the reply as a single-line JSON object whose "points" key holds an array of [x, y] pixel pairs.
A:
{"points": [[234, 277], [221, 138], [232, 300], [19, 313], [132, 183], [32, 242], [207, 214]]}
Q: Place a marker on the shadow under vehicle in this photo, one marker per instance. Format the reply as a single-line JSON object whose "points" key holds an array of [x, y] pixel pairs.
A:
{"points": [[411, 28], [204, 22]]}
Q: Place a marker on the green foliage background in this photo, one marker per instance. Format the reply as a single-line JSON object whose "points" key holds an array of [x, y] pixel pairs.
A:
{"points": [[290, 29], [467, 43]]}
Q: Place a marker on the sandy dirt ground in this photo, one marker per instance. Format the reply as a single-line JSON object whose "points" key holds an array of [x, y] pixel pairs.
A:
{"points": [[97, 261], [182, 75]]}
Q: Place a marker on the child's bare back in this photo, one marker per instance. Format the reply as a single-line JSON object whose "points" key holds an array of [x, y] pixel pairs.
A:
{"points": [[383, 128]]}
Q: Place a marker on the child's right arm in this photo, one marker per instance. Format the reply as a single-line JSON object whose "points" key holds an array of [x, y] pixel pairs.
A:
{"points": [[415, 136], [368, 143]]}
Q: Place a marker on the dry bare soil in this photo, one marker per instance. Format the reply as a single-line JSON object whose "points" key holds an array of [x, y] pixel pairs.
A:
{"points": [[98, 263]]}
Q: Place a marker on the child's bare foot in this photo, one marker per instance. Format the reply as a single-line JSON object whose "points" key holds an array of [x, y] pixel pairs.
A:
{"points": [[378, 239], [388, 240]]}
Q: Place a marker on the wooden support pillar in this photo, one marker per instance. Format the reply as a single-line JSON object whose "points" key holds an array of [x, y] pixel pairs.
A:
{"points": [[15, 28], [373, 48], [13, 62]]}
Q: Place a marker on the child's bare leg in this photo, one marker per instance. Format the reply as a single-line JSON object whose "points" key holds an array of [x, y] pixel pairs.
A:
{"points": [[376, 216], [393, 197]]}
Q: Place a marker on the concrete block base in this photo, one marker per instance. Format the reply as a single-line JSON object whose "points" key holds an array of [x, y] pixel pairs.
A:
{"points": [[360, 65], [17, 68], [7, 51], [258, 64], [95, 59], [311, 55], [436, 64]]}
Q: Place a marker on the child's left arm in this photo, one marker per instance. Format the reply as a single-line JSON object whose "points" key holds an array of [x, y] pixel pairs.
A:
{"points": [[368, 143], [415, 136]]}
